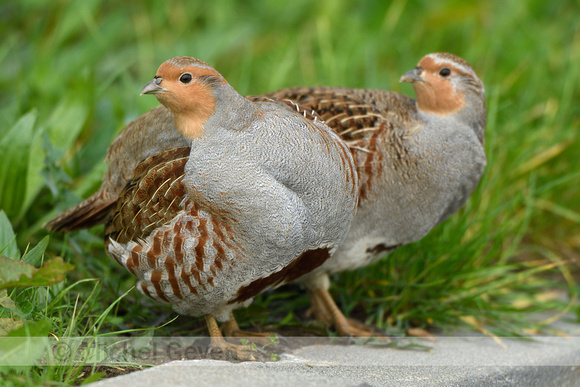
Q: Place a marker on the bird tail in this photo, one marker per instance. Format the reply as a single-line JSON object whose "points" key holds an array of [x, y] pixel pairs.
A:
{"points": [[88, 213]]}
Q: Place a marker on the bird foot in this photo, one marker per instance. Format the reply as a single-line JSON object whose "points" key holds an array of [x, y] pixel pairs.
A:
{"points": [[222, 350], [219, 348], [231, 330], [325, 309], [353, 328]]}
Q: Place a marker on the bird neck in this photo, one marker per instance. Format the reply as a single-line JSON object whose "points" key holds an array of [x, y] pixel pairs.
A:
{"points": [[191, 124], [473, 114], [233, 112], [444, 102]]}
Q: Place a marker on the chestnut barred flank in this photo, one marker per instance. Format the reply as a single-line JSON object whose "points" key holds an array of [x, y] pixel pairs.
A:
{"points": [[214, 198]]}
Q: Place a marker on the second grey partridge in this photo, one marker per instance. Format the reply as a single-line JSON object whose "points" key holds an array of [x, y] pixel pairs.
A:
{"points": [[418, 162], [218, 198]]}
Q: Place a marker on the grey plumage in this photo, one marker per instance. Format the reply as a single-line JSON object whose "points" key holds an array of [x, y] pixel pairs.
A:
{"points": [[225, 198], [418, 160]]}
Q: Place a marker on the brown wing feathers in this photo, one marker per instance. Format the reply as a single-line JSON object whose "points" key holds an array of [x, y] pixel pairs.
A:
{"points": [[88, 213], [347, 116], [152, 197]]}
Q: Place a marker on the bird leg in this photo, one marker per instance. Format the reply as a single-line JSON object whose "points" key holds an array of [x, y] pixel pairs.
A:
{"points": [[325, 309], [319, 309], [232, 329], [219, 345]]}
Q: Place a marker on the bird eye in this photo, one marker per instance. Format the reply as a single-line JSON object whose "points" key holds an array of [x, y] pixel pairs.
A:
{"points": [[444, 72], [185, 78]]}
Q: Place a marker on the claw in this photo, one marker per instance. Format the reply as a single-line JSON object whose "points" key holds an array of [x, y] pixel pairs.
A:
{"points": [[264, 339], [229, 351], [223, 350]]}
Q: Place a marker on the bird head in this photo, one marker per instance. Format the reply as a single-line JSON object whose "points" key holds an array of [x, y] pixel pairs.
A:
{"points": [[186, 87], [444, 84]]}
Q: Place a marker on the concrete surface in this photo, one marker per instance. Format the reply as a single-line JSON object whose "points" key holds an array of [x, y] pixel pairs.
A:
{"points": [[450, 361]]}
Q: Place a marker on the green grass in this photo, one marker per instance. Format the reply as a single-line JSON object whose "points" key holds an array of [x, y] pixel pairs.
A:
{"points": [[70, 80]]}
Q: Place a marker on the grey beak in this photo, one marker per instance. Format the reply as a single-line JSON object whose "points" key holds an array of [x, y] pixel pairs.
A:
{"points": [[153, 87], [412, 76]]}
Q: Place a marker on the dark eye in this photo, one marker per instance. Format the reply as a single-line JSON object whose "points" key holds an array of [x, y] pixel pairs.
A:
{"points": [[185, 78], [444, 72]]}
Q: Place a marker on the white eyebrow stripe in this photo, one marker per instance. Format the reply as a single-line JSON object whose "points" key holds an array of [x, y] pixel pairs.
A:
{"points": [[439, 60]]}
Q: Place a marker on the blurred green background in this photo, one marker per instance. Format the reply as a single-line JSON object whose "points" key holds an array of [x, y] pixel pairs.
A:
{"points": [[71, 73]]}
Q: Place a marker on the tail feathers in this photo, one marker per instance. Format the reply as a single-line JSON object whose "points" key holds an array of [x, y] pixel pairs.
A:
{"points": [[90, 212]]}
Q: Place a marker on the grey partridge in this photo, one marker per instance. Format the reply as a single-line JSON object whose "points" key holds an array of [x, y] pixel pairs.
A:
{"points": [[216, 198], [418, 162]]}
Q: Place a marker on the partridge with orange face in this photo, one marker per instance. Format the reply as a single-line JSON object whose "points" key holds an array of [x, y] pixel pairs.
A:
{"points": [[227, 198], [418, 162]]}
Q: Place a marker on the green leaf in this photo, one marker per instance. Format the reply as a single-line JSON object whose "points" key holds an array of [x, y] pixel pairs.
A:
{"points": [[66, 122], [93, 378], [12, 270], [38, 328], [15, 149], [6, 301], [8, 245], [9, 324], [17, 273], [34, 179], [25, 346], [34, 256]]}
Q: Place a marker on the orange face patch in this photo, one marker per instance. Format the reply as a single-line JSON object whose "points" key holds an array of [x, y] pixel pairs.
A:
{"points": [[437, 94], [191, 103]]}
